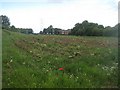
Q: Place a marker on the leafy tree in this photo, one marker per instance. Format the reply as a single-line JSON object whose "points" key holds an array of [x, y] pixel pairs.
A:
{"points": [[5, 21], [87, 29], [50, 29], [107, 31], [29, 31], [25, 31], [116, 29], [57, 31], [45, 31], [12, 28], [41, 32]]}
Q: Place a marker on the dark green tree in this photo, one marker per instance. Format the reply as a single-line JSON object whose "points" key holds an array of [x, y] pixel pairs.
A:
{"points": [[41, 32], [5, 21], [45, 31], [50, 29], [57, 31], [12, 28], [87, 29]]}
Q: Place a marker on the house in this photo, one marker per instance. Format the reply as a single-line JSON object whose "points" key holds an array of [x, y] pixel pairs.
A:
{"points": [[65, 32]]}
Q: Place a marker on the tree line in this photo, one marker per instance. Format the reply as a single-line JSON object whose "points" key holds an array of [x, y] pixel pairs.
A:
{"points": [[93, 29], [56, 31], [5, 22], [80, 29], [85, 29]]}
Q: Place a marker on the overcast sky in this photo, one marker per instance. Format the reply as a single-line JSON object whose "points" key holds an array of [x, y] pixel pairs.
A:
{"points": [[64, 14]]}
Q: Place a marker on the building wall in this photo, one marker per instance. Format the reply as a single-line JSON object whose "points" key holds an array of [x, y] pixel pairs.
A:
{"points": [[65, 32]]}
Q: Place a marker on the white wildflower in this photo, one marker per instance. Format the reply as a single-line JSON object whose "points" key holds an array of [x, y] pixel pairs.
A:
{"points": [[23, 62], [8, 78], [48, 61], [92, 54], [70, 76], [11, 60], [78, 46], [47, 70], [30, 51], [70, 56], [116, 63], [56, 58], [103, 68], [43, 68], [44, 45], [98, 64]]}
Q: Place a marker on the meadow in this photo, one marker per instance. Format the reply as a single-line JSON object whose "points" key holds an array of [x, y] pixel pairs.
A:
{"points": [[58, 61]]}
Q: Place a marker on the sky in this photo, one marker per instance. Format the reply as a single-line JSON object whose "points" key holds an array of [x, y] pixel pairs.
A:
{"points": [[64, 14]]}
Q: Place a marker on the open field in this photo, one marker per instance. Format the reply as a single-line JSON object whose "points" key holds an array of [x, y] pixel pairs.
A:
{"points": [[33, 61]]}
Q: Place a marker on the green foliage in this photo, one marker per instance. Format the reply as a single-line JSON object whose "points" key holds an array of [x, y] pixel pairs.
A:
{"points": [[33, 61], [93, 29], [21, 30], [6, 25], [41, 32], [5, 21], [49, 30], [56, 31], [26, 31], [111, 31]]}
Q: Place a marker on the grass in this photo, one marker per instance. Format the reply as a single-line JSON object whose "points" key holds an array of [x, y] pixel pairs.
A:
{"points": [[33, 61]]}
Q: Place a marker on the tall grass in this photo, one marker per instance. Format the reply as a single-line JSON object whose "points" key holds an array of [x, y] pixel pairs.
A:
{"points": [[33, 61]]}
